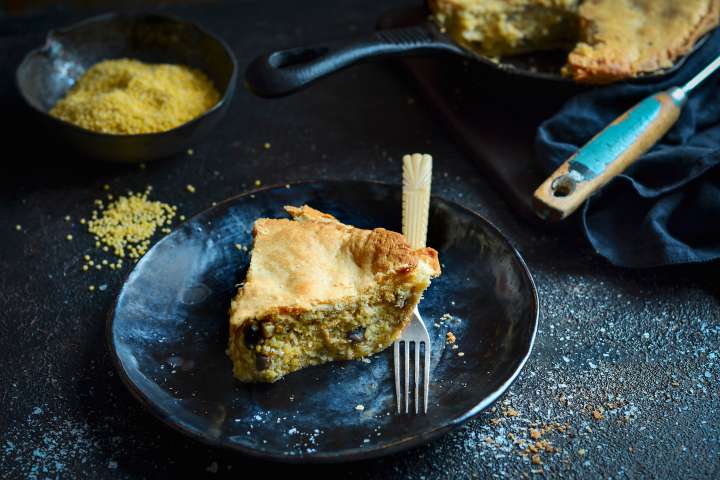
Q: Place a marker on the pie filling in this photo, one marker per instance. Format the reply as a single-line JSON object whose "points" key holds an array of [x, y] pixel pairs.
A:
{"points": [[513, 30], [265, 349]]}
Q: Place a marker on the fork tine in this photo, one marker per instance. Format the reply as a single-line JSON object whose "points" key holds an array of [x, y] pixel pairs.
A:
{"points": [[426, 371], [416, 386], [397, 373], [407, 376]]}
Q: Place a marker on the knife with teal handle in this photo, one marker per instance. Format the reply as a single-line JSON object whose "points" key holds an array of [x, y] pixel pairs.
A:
{"points": [[613, 150]]}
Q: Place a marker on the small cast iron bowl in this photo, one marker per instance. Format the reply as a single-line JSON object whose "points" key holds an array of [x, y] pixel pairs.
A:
{"points": [[47, 73]]}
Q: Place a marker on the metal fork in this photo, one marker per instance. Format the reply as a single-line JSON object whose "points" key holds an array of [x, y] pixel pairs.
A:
{"points": [[414, 336], [417, 174]]}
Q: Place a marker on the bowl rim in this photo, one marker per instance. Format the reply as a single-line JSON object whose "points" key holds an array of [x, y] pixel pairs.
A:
{"points": [[350, 455], [105, 17]]}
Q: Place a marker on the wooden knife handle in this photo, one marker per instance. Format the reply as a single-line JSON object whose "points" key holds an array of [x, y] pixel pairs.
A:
{"points": [[417, 176], [608, 154]]}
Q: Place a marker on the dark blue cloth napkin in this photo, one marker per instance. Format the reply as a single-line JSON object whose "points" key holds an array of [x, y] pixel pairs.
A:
{"points": [[665, 208]]}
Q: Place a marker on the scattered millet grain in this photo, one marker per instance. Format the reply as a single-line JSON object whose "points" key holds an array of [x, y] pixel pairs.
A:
{"points": [[190, 188], [127, 224]]}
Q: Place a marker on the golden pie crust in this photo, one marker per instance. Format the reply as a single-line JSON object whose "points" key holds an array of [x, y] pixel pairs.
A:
{"points": [[622, 39]]}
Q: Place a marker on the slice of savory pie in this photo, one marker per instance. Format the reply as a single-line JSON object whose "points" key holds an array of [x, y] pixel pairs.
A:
{"points": [[318, 290], [608, 40]]}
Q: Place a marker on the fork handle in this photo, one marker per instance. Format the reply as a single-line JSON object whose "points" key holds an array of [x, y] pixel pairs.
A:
{"points": [[417, 177]]}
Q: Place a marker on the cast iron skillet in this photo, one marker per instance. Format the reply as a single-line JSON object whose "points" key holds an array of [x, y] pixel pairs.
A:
{"points": [[47, 73], [168, 333], [285, 71]]}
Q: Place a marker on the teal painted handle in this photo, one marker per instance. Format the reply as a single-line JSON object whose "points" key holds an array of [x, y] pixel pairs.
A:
{"points": [[608, 154]]}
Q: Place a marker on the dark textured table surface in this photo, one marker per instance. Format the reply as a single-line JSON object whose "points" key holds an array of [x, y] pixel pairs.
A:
{"points": [[623, 381]]}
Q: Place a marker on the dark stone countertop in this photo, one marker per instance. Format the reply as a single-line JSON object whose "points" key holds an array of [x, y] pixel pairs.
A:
{"points": [[639, 348]]}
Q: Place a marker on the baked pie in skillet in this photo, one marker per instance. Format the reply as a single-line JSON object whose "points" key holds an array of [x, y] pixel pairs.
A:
{"points": [[608, 40]]}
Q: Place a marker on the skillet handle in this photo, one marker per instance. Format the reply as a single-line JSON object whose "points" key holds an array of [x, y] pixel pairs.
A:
{"points": [[608, 154], [286, 71]]}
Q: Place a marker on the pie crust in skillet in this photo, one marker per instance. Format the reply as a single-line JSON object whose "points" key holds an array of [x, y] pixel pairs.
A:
{"points": [[607, 40]]}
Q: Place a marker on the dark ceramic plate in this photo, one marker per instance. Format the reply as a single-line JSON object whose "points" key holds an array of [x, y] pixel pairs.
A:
{"points": [[47, 73], [168, 333]]}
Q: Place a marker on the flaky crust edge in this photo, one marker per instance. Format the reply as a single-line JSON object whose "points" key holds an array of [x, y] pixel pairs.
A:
{"points": [[386, 252]]}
